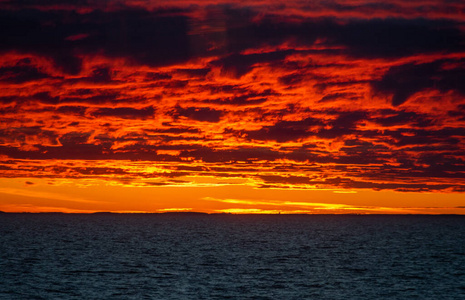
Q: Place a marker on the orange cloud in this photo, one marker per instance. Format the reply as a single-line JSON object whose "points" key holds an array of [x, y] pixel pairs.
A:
{"points": [[346, 95]]}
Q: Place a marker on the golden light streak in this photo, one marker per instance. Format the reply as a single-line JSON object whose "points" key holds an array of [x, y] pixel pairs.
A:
{"points": [[44, 195]]}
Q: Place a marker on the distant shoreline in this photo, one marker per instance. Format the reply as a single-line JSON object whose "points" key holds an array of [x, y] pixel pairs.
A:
{"points": [[213, 214]]}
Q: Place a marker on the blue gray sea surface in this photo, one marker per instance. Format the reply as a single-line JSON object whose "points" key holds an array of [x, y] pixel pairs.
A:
{"points": [[181, 256]]}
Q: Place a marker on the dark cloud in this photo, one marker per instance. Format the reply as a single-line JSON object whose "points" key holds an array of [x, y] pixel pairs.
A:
{"points": [[194, 73], [146, 37], [100, 75], [232, 155], [143, 37], [69, 150], [422, 137], [397, 37], [405, 80], [21, 74], [283, 181], [74, 138], [395, 118], [324, 84], [362, 38], [173, 130], [8, 99], [68, 63], [237, 101], [175, 84], [226, 88], [291, 79], [337, 96], [150, 76], [98, 171], [76, 110], [284, 131], [204, 114], [344, 124], [46, 98], [125, 112], [161, 37], [93, 97], [356, 146], [249, 98], [21, 134], [142, 147], [237, 65], [458, 112], [402, 187]]}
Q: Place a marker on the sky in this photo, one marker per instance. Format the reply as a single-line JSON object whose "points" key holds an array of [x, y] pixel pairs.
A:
{"points": [[232, 106]]}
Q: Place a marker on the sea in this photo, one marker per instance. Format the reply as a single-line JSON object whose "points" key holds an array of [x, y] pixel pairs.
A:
{"points": [[200, 256]]}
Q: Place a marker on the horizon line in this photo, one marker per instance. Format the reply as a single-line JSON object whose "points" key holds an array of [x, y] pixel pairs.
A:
{"points": [[225, 213]]}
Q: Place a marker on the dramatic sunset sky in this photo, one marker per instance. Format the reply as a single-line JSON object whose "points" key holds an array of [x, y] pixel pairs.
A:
{"points": [[293, 106]]}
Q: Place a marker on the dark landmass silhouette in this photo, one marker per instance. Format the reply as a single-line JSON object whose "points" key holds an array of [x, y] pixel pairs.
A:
{"points": [[193, 213]]}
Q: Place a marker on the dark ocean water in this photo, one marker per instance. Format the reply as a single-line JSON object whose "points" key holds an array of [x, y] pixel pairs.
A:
{"points": [[46, 256]]}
